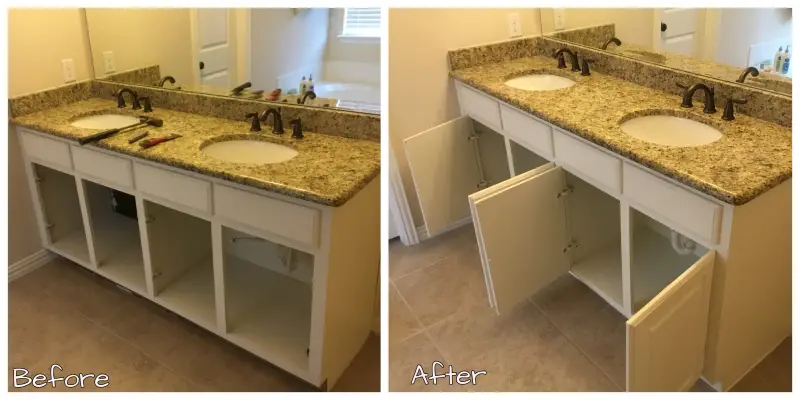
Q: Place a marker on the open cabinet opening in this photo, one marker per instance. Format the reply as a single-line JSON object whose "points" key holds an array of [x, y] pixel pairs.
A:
{"points": [[181, 263], [115, 234], [58, 194], [593, 220], [268, 297], [523, 159], [492, 154], [659, 256]]}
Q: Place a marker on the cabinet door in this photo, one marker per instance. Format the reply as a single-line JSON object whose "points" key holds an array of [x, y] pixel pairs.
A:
{"points": [[521, 230], [445, 171], [667, 337]]}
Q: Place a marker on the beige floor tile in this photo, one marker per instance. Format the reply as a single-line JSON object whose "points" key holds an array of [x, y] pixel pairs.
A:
{"points": [[364, 373], [776, 368], [567, 301], [452, 285], [406, 259], [701, 386], [405, 356], [402, 322], [752, 382]]}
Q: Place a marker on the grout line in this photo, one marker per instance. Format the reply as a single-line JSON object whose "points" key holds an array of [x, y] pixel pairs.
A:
{"points": [[451, 253], [579, 348]]}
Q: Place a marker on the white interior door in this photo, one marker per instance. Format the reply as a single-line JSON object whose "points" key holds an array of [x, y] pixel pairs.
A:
{"points": [[215, 47], [679, 31], [521, 230], [667, 337], [445, 171]]}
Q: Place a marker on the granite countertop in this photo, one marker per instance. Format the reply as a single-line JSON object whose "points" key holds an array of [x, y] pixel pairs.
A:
{"points": [[328, 170], [752, 156]]}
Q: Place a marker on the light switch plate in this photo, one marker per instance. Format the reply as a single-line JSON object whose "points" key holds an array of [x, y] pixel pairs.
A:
{"points": [[559, 18], [108, 62], [68, 70], [514, 25]]}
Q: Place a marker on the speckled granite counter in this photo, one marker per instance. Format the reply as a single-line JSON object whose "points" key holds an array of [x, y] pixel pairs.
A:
{"points": [[752, 157], [328, 170]]}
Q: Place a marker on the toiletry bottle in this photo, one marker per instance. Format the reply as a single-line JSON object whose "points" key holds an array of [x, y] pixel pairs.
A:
{"points": [[302, 88], [310, 85], [777, 65], [787, 55]]}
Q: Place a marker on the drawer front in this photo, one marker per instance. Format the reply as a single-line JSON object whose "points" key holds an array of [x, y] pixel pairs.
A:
{"points": [[589, 162], [479, 106], [527, 131], [181, 189], [45, 149], [686, 210], [104, 166], [291, 221]]}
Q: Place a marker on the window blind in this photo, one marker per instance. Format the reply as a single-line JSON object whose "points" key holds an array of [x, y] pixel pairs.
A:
{"points": [[362, 22]]}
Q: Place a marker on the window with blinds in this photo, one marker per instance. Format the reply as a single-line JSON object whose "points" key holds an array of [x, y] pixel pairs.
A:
{"points": [[362, 22]]}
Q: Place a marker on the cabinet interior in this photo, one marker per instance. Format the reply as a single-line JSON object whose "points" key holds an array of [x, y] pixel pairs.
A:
{"points": [[115, 233], [181, 262], [492, 155], [524, 160], [58, 194], [655, 263], [268, 296]]}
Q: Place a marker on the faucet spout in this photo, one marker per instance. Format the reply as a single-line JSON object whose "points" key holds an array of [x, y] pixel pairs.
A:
{"points": [[277, 123], [748, 71], [609, 41], [686, 102], [575, 66]]}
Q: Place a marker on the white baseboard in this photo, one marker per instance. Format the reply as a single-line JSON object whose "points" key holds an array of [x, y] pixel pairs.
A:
{"points": [[30, 263], [422, 233]]}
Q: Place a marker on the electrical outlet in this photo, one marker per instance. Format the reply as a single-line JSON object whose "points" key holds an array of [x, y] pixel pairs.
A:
{"points": [[68, 70], [108, 61], [559, 18], [514, 26]]}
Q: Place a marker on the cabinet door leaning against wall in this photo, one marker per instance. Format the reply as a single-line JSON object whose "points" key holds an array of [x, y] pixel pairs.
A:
{"points": [[570, 219], [193, 208]]}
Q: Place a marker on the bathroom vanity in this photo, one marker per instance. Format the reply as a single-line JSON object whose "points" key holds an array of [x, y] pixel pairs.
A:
{"points": [[703, 274], [287, 274]]}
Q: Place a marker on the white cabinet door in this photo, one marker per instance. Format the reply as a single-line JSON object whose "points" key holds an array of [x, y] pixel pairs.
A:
{"points": [[667, 337], [521, 230], [445, 171]]}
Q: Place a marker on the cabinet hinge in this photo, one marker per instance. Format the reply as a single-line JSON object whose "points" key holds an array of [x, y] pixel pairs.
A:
{"points": [[156, 274], [38, 179], [49, 225], [483, 185], [148, 219], [567, 190], [473, 137], [571, 246]]}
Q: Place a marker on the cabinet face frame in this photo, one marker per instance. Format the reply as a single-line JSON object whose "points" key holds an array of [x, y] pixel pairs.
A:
{"points": [[666, 299]]}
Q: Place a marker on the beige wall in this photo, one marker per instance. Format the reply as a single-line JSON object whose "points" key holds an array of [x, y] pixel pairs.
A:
{"points": [[38, 39], [739, 28], [421, 95], [140, 38], [282, 42], [633, 25], [356, 50]]}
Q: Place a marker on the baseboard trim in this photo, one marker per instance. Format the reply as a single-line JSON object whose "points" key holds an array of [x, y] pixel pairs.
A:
{"points": [[30, 263], [422, 232]]}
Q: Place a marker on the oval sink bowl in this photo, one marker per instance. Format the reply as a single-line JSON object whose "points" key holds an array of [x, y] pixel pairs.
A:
{"points": [[249, 152], [668, 130], [105, 121], [538, 82]]}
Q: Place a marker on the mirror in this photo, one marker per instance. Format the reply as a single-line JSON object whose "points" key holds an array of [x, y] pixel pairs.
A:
{"points": [[719, 43], [318, 57]]}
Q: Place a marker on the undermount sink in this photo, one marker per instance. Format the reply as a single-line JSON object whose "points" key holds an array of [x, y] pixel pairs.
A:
{"points": [[105, 121], [539, 82], [246, 151], [671, 131]]}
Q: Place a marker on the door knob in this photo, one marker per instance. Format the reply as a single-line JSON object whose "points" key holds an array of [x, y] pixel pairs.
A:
{"points": [[203, 65], [663, 27]]}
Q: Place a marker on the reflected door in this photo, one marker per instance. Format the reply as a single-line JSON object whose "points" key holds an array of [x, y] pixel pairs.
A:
{"points": [[214, 47]]}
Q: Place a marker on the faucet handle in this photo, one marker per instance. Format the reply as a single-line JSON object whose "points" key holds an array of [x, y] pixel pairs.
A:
{"points": [[585, 66], [255, 124], [727, 113], [297, 128], [147, 106]]}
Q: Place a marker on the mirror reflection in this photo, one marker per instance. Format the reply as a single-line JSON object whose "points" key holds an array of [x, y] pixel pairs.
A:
{"points": [[750, 46], [318, 57]]}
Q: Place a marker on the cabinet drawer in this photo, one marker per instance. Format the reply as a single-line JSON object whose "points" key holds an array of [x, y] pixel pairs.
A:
{"points": [[104, 166], [527, 131], [587, 161], [172, 186], [479, 106], [289, 220], [44, 149], [678, 206]]}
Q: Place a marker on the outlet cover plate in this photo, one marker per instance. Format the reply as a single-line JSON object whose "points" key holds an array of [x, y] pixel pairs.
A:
{"points": [[559, 18], [68, 70], [514, 25], [108, 62]]}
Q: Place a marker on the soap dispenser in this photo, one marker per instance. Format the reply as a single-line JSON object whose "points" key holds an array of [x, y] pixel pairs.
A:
{"points": [[302, 88], [310, 85], [786, 58], [777, 65]]}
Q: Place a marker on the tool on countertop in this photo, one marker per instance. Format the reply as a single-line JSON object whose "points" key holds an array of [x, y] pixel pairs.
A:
{"points": [[154, 141], [143, 121], [137, 137]]}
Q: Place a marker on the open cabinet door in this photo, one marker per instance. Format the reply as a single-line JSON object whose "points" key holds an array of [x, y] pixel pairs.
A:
{"points": [[445, 171], [521, 230], [667, 337]]}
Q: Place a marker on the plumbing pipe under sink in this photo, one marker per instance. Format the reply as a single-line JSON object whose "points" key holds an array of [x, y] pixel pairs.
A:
{"points": [[681, 244]]}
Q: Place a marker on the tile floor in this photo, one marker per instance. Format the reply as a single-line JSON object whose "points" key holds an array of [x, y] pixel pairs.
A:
{"points": [[63, 314], [566, 338]]}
